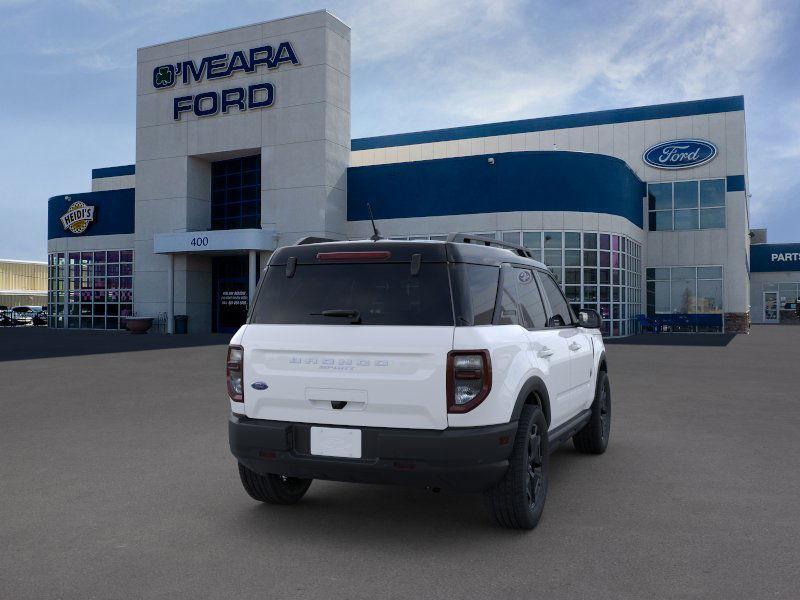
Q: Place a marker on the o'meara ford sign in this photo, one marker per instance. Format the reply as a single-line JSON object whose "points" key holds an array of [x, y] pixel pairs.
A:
{"points": [[679, 154], [220, 66]]}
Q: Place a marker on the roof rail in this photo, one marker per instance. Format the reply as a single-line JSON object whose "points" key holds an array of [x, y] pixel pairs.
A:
{"points": [[311, 239], [468, 238]]}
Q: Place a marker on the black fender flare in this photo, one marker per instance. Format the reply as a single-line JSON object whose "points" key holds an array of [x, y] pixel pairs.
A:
{"points": [[602, 363], [537, 386]]}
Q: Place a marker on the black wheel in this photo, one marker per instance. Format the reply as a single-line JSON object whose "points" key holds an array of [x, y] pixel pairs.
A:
{"points": [[273, 489], [517, 501], [593, 438]]}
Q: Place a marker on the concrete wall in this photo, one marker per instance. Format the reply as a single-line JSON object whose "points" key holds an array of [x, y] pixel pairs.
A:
{"points": [[499, 222], [92, 242], [120, 182], [303, 139]]}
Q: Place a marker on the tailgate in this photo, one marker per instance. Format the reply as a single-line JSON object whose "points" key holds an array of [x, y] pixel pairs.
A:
{"points": [[370, 376]]}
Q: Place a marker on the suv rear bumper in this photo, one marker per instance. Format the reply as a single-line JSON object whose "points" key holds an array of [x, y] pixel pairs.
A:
{"points": [[466, 459]]}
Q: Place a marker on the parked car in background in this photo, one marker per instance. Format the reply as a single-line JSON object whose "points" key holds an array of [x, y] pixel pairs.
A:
{"points": [[24, 315], [40, 317], [5, 316]]}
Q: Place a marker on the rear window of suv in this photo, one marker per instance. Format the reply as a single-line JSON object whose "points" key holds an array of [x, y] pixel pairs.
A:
{"points": [[382, 294]]}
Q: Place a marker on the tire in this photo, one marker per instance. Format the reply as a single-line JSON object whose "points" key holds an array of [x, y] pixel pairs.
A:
{"points": [[517, 501], [273, 489], [593, 438]]}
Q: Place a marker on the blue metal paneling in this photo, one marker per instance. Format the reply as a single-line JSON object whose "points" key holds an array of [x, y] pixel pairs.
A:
{"points": [[113, 213], [603, 117], [517, 181], [736, 183], [113, 171], [767, 258]]}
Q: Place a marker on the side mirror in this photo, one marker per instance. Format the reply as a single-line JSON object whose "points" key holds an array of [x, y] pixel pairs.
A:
{"points": [[589, 318]]}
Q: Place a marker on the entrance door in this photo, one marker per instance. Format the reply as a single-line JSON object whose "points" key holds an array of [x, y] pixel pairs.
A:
{"points": [[230, 293], [770, 307]]}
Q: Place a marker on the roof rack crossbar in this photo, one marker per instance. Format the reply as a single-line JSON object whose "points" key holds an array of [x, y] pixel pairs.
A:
{"points": [[311, 239], [468, 238]]}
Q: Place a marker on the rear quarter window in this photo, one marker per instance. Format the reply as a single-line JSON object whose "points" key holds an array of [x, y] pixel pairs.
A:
{"points": [[475, 293], [382, 293]]}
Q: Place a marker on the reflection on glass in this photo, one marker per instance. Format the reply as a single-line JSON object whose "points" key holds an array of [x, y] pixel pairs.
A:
{"points": [[686, 219], [712, 192], [712, 218], [685, 194], [552, 239]]}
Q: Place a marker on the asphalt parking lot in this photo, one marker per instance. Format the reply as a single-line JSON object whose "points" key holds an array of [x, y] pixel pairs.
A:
{"points": [[116, 482]]}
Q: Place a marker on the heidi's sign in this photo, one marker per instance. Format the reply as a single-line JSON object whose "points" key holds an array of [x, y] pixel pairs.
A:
{"points": [[78, 217], [679, 154]]}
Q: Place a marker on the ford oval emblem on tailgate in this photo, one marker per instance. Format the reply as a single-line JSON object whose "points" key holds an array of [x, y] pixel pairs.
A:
{"points": [[259, 385]]}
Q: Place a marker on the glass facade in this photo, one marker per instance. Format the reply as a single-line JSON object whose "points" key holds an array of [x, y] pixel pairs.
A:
{"points": [[786, 308], [91, 290], [236, 193], [596, 270], [686, 205], [686, 291]]}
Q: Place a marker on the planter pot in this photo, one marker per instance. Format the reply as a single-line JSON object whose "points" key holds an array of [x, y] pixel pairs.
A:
{"points": [[138, 324]]}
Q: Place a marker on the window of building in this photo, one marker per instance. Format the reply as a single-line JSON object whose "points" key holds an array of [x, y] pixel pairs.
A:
{"points": [[91, 290], [236, 193], [596, 270], [691, 297], [686, 205]]}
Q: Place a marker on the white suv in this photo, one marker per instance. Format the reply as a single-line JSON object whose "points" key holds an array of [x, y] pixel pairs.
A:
{"points": [[453, 365]]}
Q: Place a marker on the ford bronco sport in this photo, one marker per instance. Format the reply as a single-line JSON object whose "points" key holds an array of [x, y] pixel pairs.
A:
{"points": [[454, 365]]}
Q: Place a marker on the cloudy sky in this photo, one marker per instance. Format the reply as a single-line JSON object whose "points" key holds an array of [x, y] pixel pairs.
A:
{"points": [[68, 77]]}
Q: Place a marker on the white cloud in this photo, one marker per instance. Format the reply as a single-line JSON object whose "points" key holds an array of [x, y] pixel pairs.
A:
{"points": [[495, 62]]}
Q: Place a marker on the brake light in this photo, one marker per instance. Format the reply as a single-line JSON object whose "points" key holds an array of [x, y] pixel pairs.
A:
{"points": [[235, 373], [369, 255], [469, 379]]}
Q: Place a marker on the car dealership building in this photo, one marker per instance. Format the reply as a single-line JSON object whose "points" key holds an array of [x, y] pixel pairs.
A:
{"points": [[243, 145]]}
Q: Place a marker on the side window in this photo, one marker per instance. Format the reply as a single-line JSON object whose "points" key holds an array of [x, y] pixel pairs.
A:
{"points": [[530, 301], [561, 312], [508, 298], [479, 293]]}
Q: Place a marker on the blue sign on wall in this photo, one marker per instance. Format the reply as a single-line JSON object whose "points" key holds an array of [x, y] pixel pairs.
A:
{"points": [[515, 181], [774, 257], [112, 213], [679, 154]]}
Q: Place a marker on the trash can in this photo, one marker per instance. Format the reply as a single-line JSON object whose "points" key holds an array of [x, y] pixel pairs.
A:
{"points": [[181, 324]]}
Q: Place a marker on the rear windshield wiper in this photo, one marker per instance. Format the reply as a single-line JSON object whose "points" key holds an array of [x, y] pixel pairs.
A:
{"points": [[353, 315]]}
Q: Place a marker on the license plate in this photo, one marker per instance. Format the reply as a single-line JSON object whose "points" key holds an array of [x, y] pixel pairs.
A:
{"points": [[336, 441]]}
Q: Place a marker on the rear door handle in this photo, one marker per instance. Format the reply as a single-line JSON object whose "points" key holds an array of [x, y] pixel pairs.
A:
{"points": [[574, 346], [545, 352]]}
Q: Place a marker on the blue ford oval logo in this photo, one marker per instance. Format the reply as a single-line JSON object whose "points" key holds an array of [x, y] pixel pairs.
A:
{"points": [[259, 385], [679, 154]]}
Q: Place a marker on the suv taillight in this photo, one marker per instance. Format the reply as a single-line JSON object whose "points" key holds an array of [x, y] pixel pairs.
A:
{"points": [[469, 379], [235, 373]]}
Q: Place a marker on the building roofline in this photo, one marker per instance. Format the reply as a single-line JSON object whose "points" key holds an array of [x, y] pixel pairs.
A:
{"points": [[199, 35], [116, 171], [602, 117], [26, 262]]}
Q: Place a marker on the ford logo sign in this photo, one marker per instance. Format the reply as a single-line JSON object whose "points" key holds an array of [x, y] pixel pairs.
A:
{"points": [[679, 154]]}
